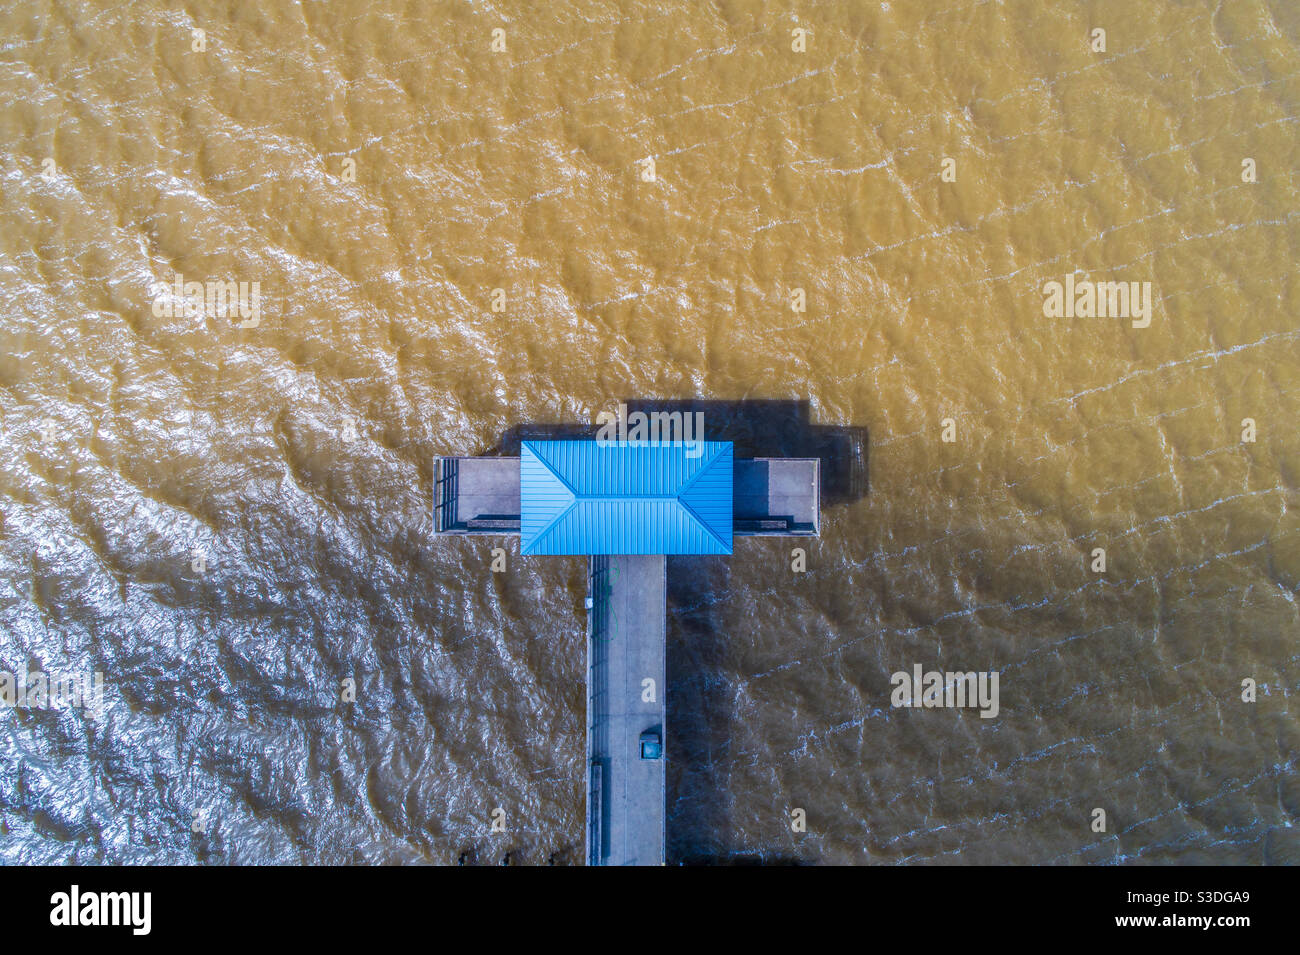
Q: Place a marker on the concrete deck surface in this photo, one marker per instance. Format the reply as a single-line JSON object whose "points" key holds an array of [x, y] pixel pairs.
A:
{"points": [[487, 490], [774, 489], [625, 651]]}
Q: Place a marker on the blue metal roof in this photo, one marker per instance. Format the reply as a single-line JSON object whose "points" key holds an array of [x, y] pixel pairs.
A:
{"points": [[650, 497]]}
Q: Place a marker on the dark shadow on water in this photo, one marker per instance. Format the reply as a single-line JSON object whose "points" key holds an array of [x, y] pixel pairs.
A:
{"points": [[698, 702], [759, 428]]}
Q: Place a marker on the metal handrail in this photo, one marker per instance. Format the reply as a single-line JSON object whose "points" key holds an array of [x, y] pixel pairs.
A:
{"points": [[598, 593], [445, 492]]}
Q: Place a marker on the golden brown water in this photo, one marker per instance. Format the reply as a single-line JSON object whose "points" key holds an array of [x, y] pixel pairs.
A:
{"points": [[380, 170]]}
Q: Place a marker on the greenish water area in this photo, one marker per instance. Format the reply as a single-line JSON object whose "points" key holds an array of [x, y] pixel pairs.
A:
{"points": [[410, 234]]}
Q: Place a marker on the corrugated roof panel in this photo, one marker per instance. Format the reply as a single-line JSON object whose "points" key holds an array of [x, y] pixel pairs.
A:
{"points": [[580, 497], [548, 496]]}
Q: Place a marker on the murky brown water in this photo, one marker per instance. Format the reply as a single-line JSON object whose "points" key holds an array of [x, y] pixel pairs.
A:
{"points": [[379, 171]]}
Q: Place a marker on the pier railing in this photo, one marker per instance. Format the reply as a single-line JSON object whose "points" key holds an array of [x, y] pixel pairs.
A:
{"points": [[446, 473], [599, 588], [595, 828]]}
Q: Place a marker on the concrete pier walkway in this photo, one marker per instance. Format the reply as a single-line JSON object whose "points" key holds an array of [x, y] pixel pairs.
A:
{"points": [[625, 684]]}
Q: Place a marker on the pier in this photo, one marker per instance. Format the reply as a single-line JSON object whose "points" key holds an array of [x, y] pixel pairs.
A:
{"points": [[626, 506]]}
